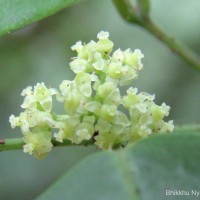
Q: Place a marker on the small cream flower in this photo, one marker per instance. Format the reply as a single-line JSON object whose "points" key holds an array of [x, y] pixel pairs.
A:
{"points": [[78, 46], [103, 35], [14, 121]]}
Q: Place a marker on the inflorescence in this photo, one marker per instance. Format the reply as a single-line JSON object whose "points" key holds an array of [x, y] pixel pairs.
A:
{"points": [[93, 103]]}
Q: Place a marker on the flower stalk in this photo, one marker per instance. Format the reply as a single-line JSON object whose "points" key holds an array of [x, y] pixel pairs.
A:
{"points": [[18, 143]]}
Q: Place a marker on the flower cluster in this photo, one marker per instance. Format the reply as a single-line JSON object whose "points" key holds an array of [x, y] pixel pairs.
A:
{"points": [[36, 121], [93, 103]]}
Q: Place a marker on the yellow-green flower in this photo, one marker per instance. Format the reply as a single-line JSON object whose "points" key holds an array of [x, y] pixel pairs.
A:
{"points": [[94, 107]]}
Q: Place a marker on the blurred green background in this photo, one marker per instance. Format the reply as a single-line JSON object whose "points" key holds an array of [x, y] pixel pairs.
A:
{"points": [[41, 53]]}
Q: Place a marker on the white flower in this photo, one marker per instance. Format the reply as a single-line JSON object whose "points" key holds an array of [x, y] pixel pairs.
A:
{"points": [[139, 54], [118, 55], [103, 35], [78, 65], [14, 121], [78, 46], [59, 136], [170, 125], [27, 91], [132, 90], [100, 65], [28, 148]]}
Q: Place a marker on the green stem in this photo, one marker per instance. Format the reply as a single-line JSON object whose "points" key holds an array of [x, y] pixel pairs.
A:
{"points": [[11, 144], [129, 13], [186, 54], [17, 143]]}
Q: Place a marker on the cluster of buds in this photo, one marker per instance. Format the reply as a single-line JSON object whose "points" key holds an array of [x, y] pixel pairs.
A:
{"points": [[93, 103]]}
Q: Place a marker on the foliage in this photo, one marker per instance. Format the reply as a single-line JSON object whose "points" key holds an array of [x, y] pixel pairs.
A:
{"points": [[143, 171], [147, 170], [15, 14]]}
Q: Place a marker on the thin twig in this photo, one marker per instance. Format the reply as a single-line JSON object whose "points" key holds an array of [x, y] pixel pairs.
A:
{"points": [[129, 13], [18, 143]]}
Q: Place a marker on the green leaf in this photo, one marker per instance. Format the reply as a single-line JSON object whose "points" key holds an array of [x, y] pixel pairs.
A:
{"points": [[143, 171], [15, 14]]}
